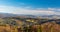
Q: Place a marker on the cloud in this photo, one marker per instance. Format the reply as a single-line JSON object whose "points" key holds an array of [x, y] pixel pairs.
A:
{"points": [[56, 10], [51, 9], [20, 10]]}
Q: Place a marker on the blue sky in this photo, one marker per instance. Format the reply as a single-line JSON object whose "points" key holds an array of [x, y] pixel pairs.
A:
{"points": [[33, 7], [33, 3]]}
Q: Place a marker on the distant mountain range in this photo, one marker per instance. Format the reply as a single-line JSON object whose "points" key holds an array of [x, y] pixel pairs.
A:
{"points": [[2, 15]]}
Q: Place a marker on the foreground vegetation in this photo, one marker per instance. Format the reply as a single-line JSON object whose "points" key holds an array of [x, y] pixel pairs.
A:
{"points": [[17, 24]]}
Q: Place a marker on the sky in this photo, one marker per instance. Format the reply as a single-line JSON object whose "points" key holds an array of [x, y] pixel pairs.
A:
{"points": [[31, 7]]}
